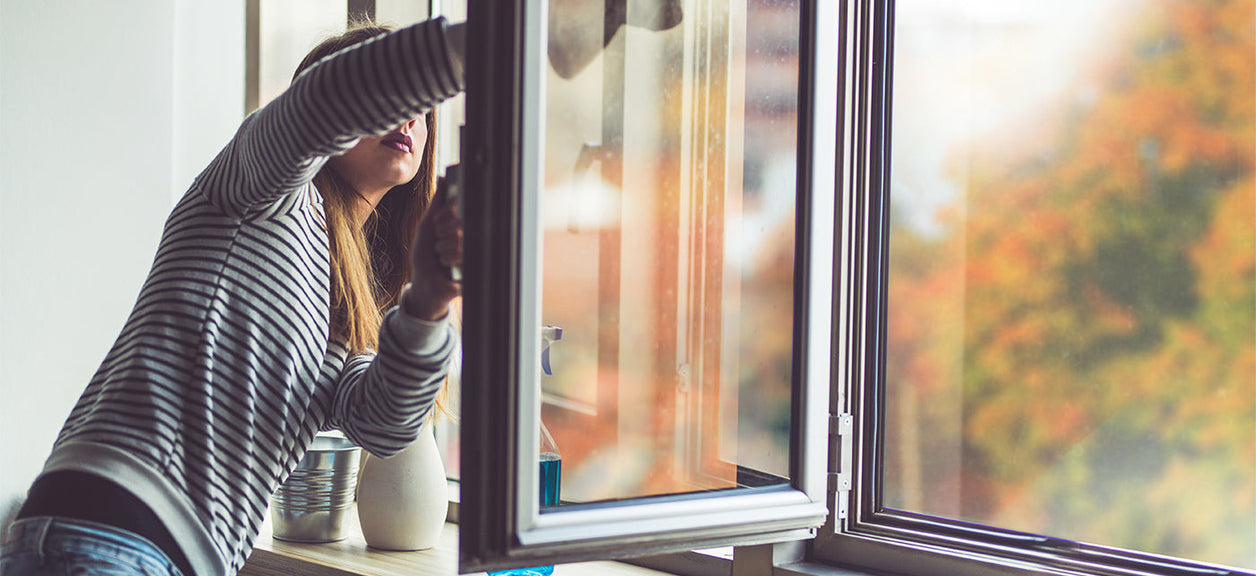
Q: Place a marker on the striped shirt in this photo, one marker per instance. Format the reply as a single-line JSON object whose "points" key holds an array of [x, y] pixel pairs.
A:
{"points": [[224, 370]]}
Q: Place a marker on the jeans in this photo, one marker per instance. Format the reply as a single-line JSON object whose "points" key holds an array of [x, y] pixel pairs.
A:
{"points": [[46, 545]]}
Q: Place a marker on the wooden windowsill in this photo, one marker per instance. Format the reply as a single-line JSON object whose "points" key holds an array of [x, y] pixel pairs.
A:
{"points": [[352, 557]]}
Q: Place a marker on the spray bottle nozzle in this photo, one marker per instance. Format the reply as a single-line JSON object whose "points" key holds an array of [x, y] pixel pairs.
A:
{"points": [[549, 335]]}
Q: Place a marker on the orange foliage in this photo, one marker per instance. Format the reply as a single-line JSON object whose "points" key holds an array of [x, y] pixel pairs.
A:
{"points": [[1056, 343]]}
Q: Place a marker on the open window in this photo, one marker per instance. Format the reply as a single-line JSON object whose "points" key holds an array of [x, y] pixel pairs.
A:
{"points": [[654, 179], [1035, 373], [1040, 282]]}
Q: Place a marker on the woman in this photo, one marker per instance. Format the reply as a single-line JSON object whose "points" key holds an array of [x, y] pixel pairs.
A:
{"points": [[277, 306]]}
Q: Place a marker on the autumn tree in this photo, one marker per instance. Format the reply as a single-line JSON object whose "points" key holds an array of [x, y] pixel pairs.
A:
{"points": [[1108, 284]]}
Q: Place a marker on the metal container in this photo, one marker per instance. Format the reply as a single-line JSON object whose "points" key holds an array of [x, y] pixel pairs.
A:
{"points": [[310, 506]]}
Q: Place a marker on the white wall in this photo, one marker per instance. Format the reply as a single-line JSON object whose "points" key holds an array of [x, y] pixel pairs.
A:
{"points": [[107, 111]]}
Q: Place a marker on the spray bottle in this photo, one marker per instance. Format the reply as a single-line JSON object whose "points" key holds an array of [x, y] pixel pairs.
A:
{"points": [[549, 459]]}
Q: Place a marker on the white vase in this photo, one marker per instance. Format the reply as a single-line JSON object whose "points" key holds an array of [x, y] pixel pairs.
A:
{"points": [[402, 500]]}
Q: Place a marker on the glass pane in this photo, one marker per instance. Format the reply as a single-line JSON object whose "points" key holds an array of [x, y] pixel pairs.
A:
{"points": [[288, 30], [668, 242], [1072, 332], [450, 117]]}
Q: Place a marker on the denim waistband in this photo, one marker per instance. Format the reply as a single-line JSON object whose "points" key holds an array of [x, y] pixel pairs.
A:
{"points": [[44, 535]]}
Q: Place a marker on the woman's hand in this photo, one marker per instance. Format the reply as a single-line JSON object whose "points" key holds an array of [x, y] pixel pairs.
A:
{"points": [[437, 247]]}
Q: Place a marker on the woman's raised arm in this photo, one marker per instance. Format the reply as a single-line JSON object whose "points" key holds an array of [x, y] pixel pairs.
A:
{"points": [[367, 89]]}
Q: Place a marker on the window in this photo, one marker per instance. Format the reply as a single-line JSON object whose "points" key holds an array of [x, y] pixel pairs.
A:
{"points": [[1018, 334], [648, 177], [1049, 359], [667, 249], [281, 32]]}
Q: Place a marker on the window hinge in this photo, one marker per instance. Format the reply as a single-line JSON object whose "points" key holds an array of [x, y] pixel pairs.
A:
{"points": [[841, 462]]}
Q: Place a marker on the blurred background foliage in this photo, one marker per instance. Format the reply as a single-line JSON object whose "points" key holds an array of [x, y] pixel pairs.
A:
{"points": [[1085, 329]]}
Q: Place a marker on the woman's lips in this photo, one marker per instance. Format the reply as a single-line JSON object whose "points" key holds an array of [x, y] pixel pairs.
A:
{"points": [[400, 142]]}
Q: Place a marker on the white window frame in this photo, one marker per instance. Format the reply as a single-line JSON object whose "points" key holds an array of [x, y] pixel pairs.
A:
{"points": [[500, 524]]}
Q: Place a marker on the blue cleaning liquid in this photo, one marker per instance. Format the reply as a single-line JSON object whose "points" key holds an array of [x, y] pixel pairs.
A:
{"points": [[551, 478], [551, 473]]}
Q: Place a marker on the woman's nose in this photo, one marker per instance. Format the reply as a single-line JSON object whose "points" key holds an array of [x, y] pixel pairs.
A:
{"points": [[409, 124]]}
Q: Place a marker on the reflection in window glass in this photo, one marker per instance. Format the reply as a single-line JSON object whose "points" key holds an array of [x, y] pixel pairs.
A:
{"points": [[668, 230], [1072, 348]]}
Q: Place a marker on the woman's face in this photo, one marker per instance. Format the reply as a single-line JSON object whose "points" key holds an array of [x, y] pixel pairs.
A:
{"points": [[377, 163]]}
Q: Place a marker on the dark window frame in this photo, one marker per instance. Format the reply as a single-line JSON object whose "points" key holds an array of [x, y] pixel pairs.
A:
{"points": [[498, 146]]}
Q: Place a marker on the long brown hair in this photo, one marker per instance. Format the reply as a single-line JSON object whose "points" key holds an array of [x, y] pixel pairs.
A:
{"points": [[370, 262]]}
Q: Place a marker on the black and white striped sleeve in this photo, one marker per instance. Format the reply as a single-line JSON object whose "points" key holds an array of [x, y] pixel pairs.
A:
{"points": [[382, 400], [367, 89]]}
